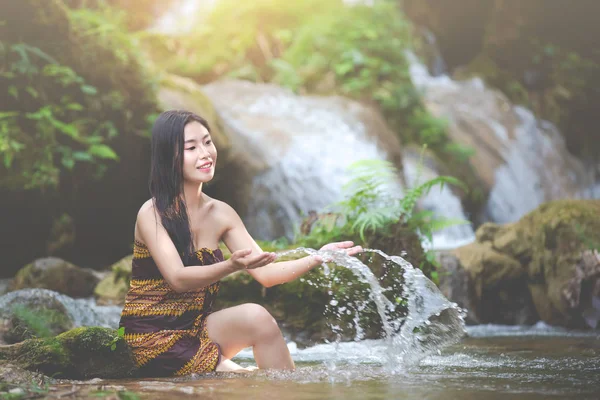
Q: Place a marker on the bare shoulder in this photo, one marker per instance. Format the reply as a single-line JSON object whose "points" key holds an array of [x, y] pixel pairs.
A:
{"points": [[225, 214], [146, 220], [146, 211]]}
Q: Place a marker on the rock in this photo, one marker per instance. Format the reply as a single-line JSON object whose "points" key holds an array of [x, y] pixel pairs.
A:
{"points": [[582, 292], [455, 285], [539, 267], [113, 288], [58, 275], [5, 285], [41, 312], [81, 353], [486, 232], [13, 375], [34, 316], [497, 288]]}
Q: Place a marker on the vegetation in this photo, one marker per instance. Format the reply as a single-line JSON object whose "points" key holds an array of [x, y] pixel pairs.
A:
{"points": [[373, 209], [31, 323], [66, 93], [323, 47]]}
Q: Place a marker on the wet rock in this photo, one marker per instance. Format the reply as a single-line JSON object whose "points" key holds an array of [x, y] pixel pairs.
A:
{"points": [[5, 285], [58, 275], [113, 288], [28, 317], [41, 312], [539, 267], [582, 292], [14, 377], [81, 353]]}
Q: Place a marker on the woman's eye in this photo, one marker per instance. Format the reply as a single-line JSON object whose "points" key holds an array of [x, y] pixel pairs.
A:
{"points": [[192, 148], [208, 142]]}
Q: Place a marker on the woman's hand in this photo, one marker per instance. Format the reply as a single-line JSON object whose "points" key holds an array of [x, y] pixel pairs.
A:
{"points": [[347, 246], [244, 259]]}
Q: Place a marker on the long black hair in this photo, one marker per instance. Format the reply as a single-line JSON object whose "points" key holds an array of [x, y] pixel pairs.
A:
{"points": [[166, 177]]}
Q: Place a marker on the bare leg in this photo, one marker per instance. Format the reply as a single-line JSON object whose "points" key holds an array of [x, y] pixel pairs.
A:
{"points": [[248, 325]]}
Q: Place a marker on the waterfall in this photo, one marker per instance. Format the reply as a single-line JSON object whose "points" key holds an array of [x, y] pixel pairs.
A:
{"points": [[522, 160]]}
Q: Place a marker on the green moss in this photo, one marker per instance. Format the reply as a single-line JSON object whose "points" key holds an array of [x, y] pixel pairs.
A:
{"points": [[42, 323], [81, 353], [548, 244]]}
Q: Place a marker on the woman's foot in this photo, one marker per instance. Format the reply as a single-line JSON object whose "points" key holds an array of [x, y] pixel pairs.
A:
{"points": [[229, 366]]}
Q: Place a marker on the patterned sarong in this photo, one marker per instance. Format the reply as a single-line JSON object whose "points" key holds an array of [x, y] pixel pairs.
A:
{"points": [[166, 330]]}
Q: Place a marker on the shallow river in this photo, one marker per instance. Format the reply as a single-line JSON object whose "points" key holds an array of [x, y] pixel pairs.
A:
{"points": [[493, 362]]}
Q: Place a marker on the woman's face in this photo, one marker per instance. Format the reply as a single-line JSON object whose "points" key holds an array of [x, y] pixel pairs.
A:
{"points": [[199, 154]]}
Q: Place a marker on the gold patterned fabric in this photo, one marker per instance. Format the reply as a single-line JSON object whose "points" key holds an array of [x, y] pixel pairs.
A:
{"points": [[166, 330]]}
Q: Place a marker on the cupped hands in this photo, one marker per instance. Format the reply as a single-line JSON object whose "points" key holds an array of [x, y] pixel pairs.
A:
{"points": [[245, 259]]}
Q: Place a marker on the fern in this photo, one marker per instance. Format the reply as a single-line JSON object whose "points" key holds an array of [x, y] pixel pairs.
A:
{"points": [[371, 205]]}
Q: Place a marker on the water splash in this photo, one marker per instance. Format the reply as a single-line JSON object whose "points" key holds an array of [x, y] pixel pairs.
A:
{"points": [[416, 319]]}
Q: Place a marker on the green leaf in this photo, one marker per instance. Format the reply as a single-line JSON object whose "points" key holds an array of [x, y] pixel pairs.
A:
{"points": [[88, 89], [68, 162], [13, 91], [113, 346], [103, 151], [8, 114], [74, 107], [82, 156]]}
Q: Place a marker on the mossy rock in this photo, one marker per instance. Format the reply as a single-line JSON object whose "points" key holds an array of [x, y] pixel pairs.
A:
{"points": [[536, 261], [557, 234], [25, 316], [58, 275], [113, 288], [81, 353]]}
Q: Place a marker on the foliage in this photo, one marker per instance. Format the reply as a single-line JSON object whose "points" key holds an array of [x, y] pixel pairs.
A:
{"points": [[67, 94], [138, 14], [372, 204], [42, 323], [120, 334], [57, 131]]}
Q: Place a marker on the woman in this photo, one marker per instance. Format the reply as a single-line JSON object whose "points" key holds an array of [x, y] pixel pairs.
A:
{"points": [[167, 314]]}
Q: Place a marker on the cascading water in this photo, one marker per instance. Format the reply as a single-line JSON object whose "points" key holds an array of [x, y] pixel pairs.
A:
{"points": [[521, 159]]}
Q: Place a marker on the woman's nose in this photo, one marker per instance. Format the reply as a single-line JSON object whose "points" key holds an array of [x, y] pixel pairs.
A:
{"points": [[203, 152]]}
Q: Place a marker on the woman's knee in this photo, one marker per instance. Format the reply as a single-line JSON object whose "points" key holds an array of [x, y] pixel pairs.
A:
{"points": [[262, 321]]}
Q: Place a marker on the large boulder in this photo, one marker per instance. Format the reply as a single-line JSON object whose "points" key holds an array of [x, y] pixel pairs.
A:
{"points": [[81, 353], [58, 275], [43, 313], [544, 262], [113, 288]]}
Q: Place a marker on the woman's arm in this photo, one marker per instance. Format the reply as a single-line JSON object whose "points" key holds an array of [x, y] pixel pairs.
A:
{"points": [[181, 279], [237, 237]]}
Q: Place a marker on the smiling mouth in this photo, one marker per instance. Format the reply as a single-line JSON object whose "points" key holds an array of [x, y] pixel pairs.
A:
{"points": [[205, 166]]}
